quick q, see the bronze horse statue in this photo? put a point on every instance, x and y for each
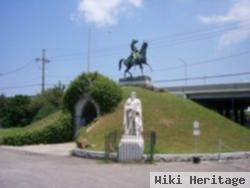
(137, 57)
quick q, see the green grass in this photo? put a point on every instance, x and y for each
(43, 123)
(172, 118)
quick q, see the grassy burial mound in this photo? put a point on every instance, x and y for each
(172, 118)
(55, 128)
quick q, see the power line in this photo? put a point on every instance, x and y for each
(202, 31)
(60, 76)
(204, 77)
(16, 70)
(188, 65)
(155, 45)
(19, 87)
(173, 42)
(168, 40)
(156, 81)
(186, 37)
(198, 63)
(28, 86)
(185, 69)
(205, 61)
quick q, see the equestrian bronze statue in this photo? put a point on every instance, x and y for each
(137, 57)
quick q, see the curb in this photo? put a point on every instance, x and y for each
(202, 156)
(90, 154)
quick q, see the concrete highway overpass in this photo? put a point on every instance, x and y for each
(230, 100)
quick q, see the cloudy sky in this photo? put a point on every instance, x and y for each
(187, 38)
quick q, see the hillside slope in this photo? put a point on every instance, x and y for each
(172, 118)
(55, 128)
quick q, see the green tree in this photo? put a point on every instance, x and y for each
(54, 95)
(20, 110)
(15, 112)
(3, 104)
(47, 102)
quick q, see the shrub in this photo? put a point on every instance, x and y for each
(59, 131)
(106, 93)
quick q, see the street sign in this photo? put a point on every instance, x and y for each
(196, 128)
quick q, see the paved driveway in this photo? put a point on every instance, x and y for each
(22, 169)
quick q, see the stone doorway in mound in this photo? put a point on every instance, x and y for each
(86, 110)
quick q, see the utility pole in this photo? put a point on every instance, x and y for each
(44, 61)
(89, 50)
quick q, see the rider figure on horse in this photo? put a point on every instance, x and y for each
(135, 52)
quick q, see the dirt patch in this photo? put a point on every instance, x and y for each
(166, 123)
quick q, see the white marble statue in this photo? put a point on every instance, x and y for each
(132, 119)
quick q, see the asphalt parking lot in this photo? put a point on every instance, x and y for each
(22, 169)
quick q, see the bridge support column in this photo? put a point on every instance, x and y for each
(242, 116)
(220, 111)
(227, 114)
(236, 115)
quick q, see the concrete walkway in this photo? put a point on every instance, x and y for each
(63, 149)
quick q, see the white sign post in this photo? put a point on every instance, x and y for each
(196, 128)
(196, 133)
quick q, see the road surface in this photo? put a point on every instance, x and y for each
(19, 169)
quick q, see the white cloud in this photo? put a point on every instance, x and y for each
(103, 12)
(238, 13)
(136, 3)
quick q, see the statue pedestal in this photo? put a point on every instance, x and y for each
(130, 148)
(136, 81)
